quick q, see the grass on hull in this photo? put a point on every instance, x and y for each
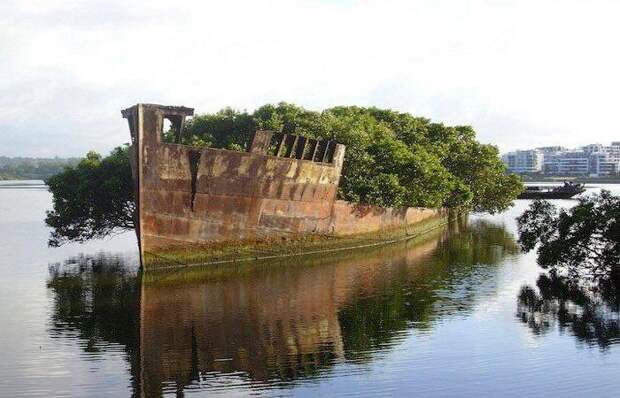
(194, 255)
(248, 269)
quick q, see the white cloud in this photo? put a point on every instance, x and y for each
(522, 73)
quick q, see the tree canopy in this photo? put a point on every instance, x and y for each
(392, 159)
(93, 199)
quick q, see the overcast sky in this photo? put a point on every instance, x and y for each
(522, 73)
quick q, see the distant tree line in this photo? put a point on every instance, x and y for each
(392, 159)
(26, 168)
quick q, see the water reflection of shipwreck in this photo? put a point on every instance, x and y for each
(283, 187)
(269, 325)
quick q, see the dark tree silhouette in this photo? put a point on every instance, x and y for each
(583, 240)
(93, 199)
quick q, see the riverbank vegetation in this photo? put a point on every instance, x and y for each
(392, 159)
(612, 179)
(580, 248)
(582, 241)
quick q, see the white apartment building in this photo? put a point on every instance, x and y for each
(604, 163)
(592, 148)
(573, 163)
(528, 161)
(592, 160)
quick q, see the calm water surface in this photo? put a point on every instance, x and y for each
(437, 317)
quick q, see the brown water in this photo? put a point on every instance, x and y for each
(434, 317)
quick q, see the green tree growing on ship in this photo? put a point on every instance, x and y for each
(393, 159)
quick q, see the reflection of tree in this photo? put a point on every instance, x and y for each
(96, 300)
(449, 283)
(590, 313)
(273, 322)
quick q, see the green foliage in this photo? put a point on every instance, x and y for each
(227, 129)
(392, 158)
(93, 199)
(582, 240)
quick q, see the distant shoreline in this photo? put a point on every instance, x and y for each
(16, 182)
(560, 179)
(28, 178)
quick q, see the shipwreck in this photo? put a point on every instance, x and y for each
(220, 203)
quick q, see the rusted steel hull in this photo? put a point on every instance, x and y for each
(281, 188)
